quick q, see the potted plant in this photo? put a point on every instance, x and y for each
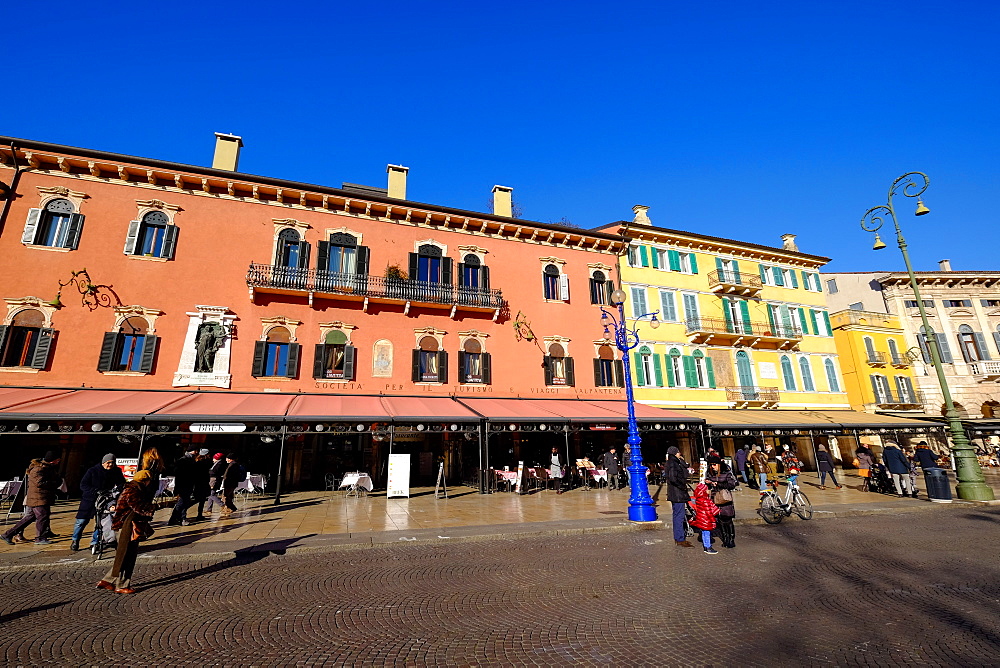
(395, 279)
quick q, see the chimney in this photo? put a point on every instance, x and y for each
(227, 151)
(397, 181)
(502, 201)
(945, 265)
(640, 215)
(788, 242)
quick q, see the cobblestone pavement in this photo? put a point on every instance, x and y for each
(906, 588)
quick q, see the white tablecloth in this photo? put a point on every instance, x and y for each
(358, 479)
(599, 474)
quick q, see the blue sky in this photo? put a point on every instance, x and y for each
(743, 120)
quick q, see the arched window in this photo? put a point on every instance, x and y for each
(473, 274)
(647, 368)
(57, 225)
(787, 374)
(131, 348)
(334, 358)
(972, 344)
(675, 369)
(289, 249)
(806, 371)
(153, 236)
(744, 372)
(473, 363)
(870, 350)
(831, 376)
(607, 370)
(26, 342)
(430, 363)
(277, 355)
(703, 369)
(558, 367)
(429, 265)
(600, 288)
(551, 279)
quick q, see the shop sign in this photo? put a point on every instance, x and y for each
(128, 466)
(603, 427)
(217, 427)
(399, 476)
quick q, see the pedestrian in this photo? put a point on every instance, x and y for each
(721, 482)
(741, 463)
(864, 459)
(908, 451)
(705, 513)
(185, 477)
(927, 458)
(202, 487)
(102, 477)
(772, 461)
(758, 460)
(215, 474)
(152, 461)
(234, 475)
(792, 465)
(824, 460)
(132, 516)
(612, 467)
(899, 467)
(43, 480)
(677, 493)
(556, 469)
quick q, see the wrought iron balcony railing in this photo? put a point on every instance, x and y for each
(734, 278)
(750, 393)
(875, 357)
(363, 285)
(739, 327)
(899, 360)
(900, 399)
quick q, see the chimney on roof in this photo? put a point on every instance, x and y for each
(503, 201)
(640, 215)
(945, 265)
(227, 151)
(788, 242)
(397, 181)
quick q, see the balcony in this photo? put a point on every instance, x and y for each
(738, 333)
(985, 370)
(876, 358)
(744, 396)
(266, 278)
(899, 361)
(905, 401)
(732, 282)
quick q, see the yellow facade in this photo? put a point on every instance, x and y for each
(878, 370)
(743, 326)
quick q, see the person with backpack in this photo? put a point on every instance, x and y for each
(705, 512)
(43, 480)
(102, 477)
(234, 475)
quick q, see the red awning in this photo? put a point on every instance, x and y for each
(513, 410)
(403, 409)
(226, 406)
(571, 410)
(15, 396)
(90, 404)
(645, 411)
(329, 407)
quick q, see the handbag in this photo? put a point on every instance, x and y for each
(721, 497)
(856, 463)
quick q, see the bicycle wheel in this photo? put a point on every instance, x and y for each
(770, 510)
(801, 506)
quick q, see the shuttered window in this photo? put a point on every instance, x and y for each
(277, 356)
(26, 342)
(58, 225)
(131, 348)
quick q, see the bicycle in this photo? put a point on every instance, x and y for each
(774, 509)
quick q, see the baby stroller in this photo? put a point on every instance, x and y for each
(104, 504)
(689, 531)
(879, 481)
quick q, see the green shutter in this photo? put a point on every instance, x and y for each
(779, 279)
(795, 279)
(763, 273)
(690, 371)
(710, 371)
(694, 263)
(640, 378)
(719, 267)
(770, 317)
(725, 312)
(812, 319)
(674, 260)
(805, 280)
(655, 257)
(805, 323)
(657, 370)
(644, 256)
(826, 319)
(745, 312)
(670, 373)
(736, 272)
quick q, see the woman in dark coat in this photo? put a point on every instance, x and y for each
(719, 478)
(825, 462)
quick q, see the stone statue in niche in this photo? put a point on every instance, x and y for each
(210, 338)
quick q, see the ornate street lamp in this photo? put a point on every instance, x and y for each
(971, 484)
(640, 508)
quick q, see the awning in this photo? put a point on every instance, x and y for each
(95, 404)
(779, 419)
(644, 411)
(319, 407)
(223, 406)
(439, 409)
(14, 396)
(567, 410)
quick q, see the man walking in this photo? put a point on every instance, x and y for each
(234, 475)
(611, 464)
(899, 467)
(741, 463)
(43, 480)
(99, 478)
(677, 493)
(185, 478)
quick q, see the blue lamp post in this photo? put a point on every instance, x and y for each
(640, 503)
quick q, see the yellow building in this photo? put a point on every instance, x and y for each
(743, 325)
(877, 368)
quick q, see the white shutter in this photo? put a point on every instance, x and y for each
(30, 225)
(564, 287)
(131, 237)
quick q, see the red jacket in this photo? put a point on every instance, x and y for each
(704, 509)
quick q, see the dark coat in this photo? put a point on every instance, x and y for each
(725, 480)
(895, 460)
(926, 457)
(216, 472)
(677, 476)
(202, 471)
(234, 475)
(43, 481)
(97, 479)
(611, 462)
(185, 475)
(825, 461)
(741, 459)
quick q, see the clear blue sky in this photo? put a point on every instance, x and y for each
(739, 119)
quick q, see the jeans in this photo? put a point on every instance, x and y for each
(678, 521)
(762, 477)
(706, 539)
(79, 527)
(822, 478)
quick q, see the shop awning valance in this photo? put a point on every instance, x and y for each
(439, 409)
(221, 406)
(766, 420)
(320, 407)
(93, 404)
(17, 396)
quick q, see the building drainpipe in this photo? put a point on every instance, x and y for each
(13, 188)
(281, 465)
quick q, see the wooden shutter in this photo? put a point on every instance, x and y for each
(4, 330)
(657, 370)
(981, 345)
(597, 372)
(654, 256)
(75, 228)
(362, 260)
(720, 268)
(484, 278)
(736, 272)
(43, 348)
(943, 349)
(443, 366)
(446, 270)
(487, 368)
(323, 256)
(770, 318)
(149, 345)
(259, 355)
(875, 389)
(745, 313)
(690, 371)
(304, 255)
(710, 370)
(462, 377)
(415, 371)
(644, 256)
(640, 372)
(547, 367)
(350, 354)
(564, 287)
(826, 321)
(812, 320)
(996, 339)
(795, 279)
(319, 360)
(170, 241)
(414, 266)
(763, 274)
(131, 237)
(779, 279)
(804, 321)
(669, 363)
(674, 260)
(30, 226)
(108, 348)
(694, 263)
(461, 274)
(292, 368)
(570, 373)
(619, 369)
(595, 295)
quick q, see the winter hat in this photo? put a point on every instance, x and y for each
(232, 455)
(217, 456)
(110, 457)
(191, 448)
(713, 459)
(203, 452)
(50, 457)
(673, 450)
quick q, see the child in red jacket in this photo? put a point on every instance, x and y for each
(705, 511)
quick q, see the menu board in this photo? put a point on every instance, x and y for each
(399, 476)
